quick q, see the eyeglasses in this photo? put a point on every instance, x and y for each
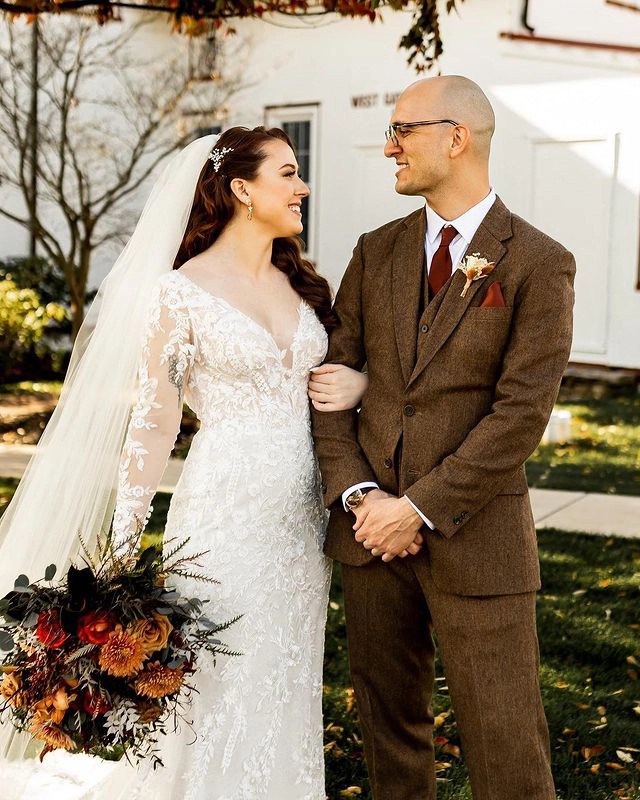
(398, 130)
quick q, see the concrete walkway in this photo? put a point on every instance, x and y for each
(604, 514)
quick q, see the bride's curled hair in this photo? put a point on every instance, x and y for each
(214, 206)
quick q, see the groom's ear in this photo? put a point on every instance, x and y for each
(460, 138)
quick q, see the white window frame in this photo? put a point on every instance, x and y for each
(305, 112)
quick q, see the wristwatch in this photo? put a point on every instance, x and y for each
(356, 499)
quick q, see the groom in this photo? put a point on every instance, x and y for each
(430, 513)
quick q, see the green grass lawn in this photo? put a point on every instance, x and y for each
(604, 452)
(588, 620)
(589, 628)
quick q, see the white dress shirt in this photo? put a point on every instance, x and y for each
(466, 224)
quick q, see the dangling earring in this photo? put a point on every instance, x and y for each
(250, 207)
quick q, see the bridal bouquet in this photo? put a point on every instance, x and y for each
(100, 662)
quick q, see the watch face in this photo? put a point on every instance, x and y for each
(355, 499)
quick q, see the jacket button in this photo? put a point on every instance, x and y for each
(388, 463)
(424, 328)
(324, 488)
(456, 520)
(409, 411)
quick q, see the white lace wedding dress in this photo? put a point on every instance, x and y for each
(249, 493)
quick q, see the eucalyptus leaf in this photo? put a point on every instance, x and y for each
(6, 641)
(23, 589)
(21, 580)
(164, 610)
(73, 723)
(31, 620)
(207, 623)
(49, 572)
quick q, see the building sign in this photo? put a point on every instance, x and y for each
(374, 100)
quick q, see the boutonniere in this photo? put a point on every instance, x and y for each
(475, 268)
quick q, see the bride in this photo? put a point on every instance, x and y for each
(214, 304)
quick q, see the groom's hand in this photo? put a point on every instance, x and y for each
(388, 526)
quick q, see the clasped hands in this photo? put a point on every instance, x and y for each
(388, 526)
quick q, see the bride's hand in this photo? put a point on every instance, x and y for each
(334, 387)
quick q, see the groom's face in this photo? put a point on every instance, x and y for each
(421, 153)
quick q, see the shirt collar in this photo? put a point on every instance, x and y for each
(466, 224)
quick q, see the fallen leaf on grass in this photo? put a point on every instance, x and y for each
(440, 719)
(451, 750)
(349, 697)
(337, 730)
(351, 791)
(561, 685)
(604, 583)
(594, 768)
(590, 752)
(614, 765)
(633, 661)
(633, 674)
(626, 757)
(440, 765)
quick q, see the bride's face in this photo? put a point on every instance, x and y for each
(278, 191)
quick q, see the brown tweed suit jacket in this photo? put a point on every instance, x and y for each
(467, 390)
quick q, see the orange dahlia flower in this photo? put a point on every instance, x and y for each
(158, 681)
(122, 655)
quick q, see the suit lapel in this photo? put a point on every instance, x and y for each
(406, 287)
(487, 242)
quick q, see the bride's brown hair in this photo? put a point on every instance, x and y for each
(214, 205)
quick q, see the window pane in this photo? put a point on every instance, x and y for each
(299, 131)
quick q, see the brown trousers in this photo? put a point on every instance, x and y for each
(489, 651)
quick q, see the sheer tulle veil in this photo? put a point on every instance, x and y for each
(70, 483)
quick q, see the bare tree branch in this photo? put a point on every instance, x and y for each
(106, 121)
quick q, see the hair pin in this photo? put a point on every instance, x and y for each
(218, 155)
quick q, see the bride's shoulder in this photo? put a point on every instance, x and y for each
(171, 283)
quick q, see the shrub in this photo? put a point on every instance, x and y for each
(24, 320)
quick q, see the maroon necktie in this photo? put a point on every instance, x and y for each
(440, 270)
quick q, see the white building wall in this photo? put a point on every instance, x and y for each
(565, 154)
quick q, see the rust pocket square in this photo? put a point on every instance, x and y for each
(494, 297)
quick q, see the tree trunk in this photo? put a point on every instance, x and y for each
(77, 317)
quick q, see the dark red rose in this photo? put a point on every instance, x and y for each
(49, 631)
(94, 627)
(94, 704)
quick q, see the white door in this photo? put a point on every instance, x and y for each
(571, 201)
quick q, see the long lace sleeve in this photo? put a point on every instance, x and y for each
(166, 358)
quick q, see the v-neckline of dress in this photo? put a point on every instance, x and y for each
(225, 302)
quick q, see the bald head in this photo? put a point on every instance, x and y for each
(460, 99)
